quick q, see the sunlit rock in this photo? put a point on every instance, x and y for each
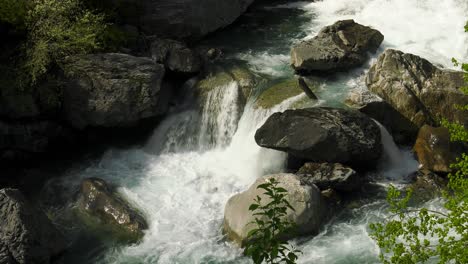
(323, 134)
(341, 46)
(309, 215)
(100, 200)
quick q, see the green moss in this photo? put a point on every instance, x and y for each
(278, 93)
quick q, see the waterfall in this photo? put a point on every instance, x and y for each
(395, 164)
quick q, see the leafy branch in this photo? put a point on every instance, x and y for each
(266, 242)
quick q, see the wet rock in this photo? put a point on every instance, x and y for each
(323, 134)
(309, 215)
(26, 234)
(427, 185)
(402, 129)
(330, 176)
(98, 199)
(434, 150)
(223, 76)
(113, 90)
(341, 46)
(419, 91)
(175, 56)
(278, 93)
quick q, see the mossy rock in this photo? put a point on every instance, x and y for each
(246, 80)
(280, 92)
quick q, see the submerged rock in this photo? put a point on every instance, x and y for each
(175, 56)
(330, 176)
(99, 199)
(309, 215)
(26, 234)
(323, 134)
(421, 92)
(434, 149)
(113, 90)
(341, 46)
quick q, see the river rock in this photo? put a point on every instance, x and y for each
(309, 215)
(341, 46)
(280, 92)
(402, 129)
(323, 134)
(175, 56)
(330, 176)
(434, 149)
(219, 76)
(113, 90)
(179, 19)
(421, 92)
(99, 199)
(26, 234)
(427, 185)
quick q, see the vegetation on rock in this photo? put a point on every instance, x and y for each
(54, 29)
(266, 241)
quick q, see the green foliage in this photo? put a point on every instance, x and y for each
(56, 29)
(417, 235)
(13, 12)
(266, 242)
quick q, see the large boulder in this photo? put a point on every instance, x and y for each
(402, 129)
(309, 215)
(434, 149)
(323, 134)
(26, 234)
(100, 200)
(330, 176)
(341, 46)
(421, 92)
(112, 90)
(179, 19)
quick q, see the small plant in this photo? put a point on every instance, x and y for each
(266, 242)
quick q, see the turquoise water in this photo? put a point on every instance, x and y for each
(182, 190)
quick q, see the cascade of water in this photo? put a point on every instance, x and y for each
(220, 116)
(396, 164)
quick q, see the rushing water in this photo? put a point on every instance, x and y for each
(198, 158)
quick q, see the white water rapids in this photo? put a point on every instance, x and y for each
(196, 160)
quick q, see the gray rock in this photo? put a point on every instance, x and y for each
(175, 56)
(179, 19)
(341, 46)
(26, 233)
(113, 90)
(323, 135)
(98, 199)
(402, 129)
(309, 215)
(418, 90)
(330, 176)
(182, 19)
